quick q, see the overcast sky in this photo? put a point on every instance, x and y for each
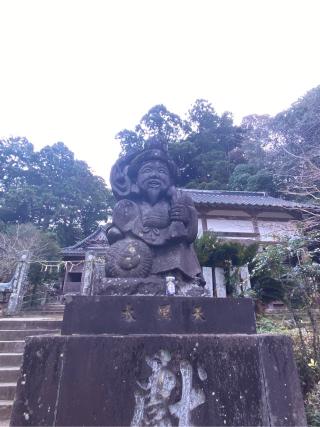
(79, 71)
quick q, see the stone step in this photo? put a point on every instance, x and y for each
(9, 374)
(32, 323)
(11, 359)
(54, 306)
(53, 313)
(288, 314)
(278, 318)
(57, 315)
(20, 334)
(7, 390)
(16, 346)
(5, 412)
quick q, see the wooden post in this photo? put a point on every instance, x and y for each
(19, 285)
(87, 273)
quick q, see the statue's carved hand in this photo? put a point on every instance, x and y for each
(180, 212)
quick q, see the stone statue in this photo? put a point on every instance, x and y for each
(154, 224)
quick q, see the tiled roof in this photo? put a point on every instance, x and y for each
(90, 242)
(239, 198)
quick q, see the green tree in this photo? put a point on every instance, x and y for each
(257, 137)
(210, 145)
(285, 147)
(296, 152)
(130, 141)
(279, 155)
(157, 124)
(204, 146)
(160, 123)
(51, 189)
(246, 177)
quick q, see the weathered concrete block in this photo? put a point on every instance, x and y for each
(158, 315)
(207, 380)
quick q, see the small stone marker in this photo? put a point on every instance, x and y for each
(19, 284)
(88, 273)
(220, 282)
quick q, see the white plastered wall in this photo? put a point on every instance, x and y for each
(273, 231)
(230, 225)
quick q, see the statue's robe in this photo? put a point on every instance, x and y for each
(170, 241)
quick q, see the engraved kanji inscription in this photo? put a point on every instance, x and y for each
(164, 311)
(128, 313)
(197, 313)
(152, 407)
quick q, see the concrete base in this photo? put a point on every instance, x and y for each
(158, 380)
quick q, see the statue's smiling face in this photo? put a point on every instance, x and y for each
(153, 175)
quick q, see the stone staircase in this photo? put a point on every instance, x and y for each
(13, 332)
(53, 308)
(46, 310)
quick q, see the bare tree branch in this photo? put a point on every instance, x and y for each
(18, 238)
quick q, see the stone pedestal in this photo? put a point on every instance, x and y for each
(156, 375)
(158, 315)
